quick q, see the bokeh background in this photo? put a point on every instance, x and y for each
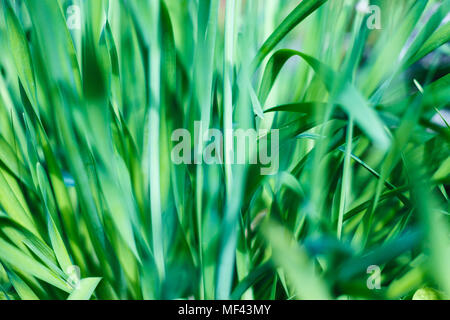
(92, 207)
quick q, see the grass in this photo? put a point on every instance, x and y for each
(92, 207)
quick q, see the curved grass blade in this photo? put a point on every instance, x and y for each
(437, 39)
(342, 91)
(300, 13)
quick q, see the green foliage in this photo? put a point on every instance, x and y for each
(86, 177)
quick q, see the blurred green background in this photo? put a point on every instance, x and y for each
(92, 207)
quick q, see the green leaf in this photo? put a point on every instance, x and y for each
(25, 263)
(19, 45)
(297, 265)
(437, 39)
(300, 13)
(343, 93)
(55, 237)
(85, 290)
(22, 289)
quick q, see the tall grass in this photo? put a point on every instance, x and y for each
(93, 207)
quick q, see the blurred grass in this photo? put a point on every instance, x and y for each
(86, 177)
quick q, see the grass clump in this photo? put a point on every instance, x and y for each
(92, 205)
